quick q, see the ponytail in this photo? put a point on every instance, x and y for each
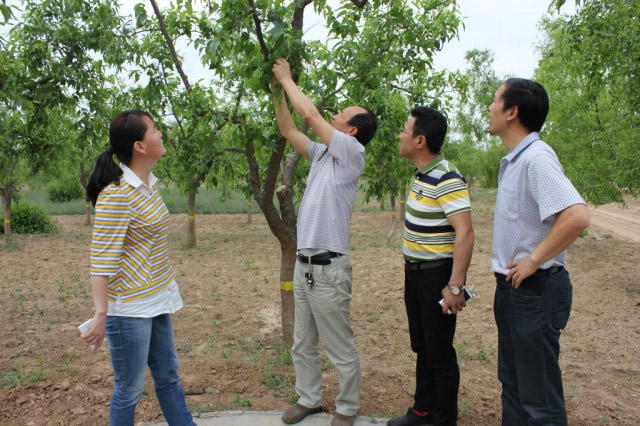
(126, 128)
(105, 172)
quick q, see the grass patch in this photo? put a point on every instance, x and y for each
(634, 289)
(281, 385)
(252, 347)
(282, 354)
(198, 408)
(15, 378)
(464, 408)
(9, 244)
(242, 401)
(373, 318)
(208, 201)
(461, 351)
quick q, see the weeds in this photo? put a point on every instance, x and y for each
(281, 385)
(252, 347)
(461, 351)
(282, 355)
(197, 408)
(326, 363)
(62, 293)
(482, 355)
(66, 365)
(14, 378)
(10, 244)
(242, 401)
(215, 295)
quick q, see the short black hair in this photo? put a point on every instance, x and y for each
(431, 124)
(530, 98)
(366, 123)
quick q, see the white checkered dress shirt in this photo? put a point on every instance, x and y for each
(532, 190)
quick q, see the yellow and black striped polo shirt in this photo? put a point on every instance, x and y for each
(438, 192)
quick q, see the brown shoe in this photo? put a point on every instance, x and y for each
(342, 420)
(296, 413)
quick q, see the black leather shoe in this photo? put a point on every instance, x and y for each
(296, 413)
(411, 419)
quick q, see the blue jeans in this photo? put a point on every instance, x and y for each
(530, 320)
(135, 343)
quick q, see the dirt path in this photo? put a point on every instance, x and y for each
(622, 222)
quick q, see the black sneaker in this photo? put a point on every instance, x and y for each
(411, 419)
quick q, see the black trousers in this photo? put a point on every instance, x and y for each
(431, 333)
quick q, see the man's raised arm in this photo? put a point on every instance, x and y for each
(288, 128)
(302, 104)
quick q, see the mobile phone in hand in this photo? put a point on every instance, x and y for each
(467, 296)
(84, 329)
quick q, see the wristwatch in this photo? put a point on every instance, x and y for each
(454, 289)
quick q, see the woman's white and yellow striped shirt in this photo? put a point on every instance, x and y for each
(130, 246)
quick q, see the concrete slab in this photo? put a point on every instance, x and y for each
(266, 418)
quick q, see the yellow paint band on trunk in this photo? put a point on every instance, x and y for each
(191, 218)
(7, 221)
(286, 285)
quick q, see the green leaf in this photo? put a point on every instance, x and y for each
(276, 32)
(6, 12)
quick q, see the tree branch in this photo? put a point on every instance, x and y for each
(256, 20)
(68, 59)
(298, 13)
(236, 150)
(359, 3)
(362, 71)
(173, 110)
(172, 49)
(254, 172)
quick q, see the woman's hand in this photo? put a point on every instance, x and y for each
(97, 332)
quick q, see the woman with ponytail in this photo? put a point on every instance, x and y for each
(132, 279)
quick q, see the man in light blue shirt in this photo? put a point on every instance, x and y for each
(538, 215)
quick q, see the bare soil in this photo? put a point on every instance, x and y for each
(228, 337)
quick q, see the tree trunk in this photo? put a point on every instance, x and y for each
(287, 264)
(87, 209)
(191, 220)
(393, 208)
(403, 200)
(6, 201)
(84, 180)
(249, 209)
(382, 204)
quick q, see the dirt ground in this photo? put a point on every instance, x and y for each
(231, 355)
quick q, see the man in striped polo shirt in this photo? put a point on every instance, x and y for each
(437, 247)
(322, 276)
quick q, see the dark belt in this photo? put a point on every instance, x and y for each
(428, 264)
(320, 258)
(538, 273)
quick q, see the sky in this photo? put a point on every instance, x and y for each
(509, 28)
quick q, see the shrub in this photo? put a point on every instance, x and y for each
(63, 190)
(28, 219)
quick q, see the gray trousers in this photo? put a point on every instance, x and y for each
(322, 312)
